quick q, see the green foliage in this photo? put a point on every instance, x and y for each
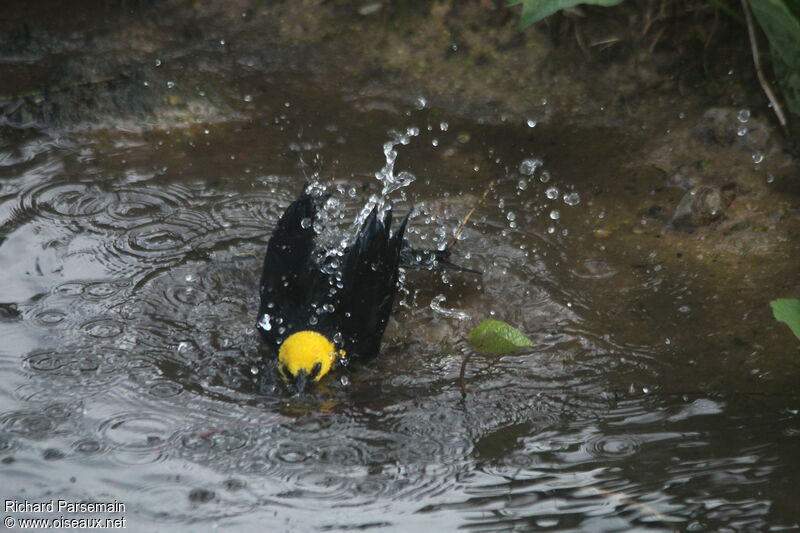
(780, 20)
(787, 310)
(536, 10)
(494, 336)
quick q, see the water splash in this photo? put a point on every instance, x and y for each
(391, 182)
(436, 305)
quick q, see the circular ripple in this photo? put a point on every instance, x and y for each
(73, 362)
(49, 317)
(136, 431)
(183, 295)
(186, 501)
(210, 444)
(70, 288)
(166, 240)
(612, 446)
(103, 289)
(68, 200)
(164, 388)
(594, 269)
(255, 210)
(32, 425)
(159, 237)
(103, 328)
(87, 447)
(133, 206)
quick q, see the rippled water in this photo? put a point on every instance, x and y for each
(657, 395)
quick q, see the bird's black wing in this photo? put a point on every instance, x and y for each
(290, 272)
(369, 275)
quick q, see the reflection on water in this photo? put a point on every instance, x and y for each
(132, 369)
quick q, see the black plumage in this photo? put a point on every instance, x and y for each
(349, 305)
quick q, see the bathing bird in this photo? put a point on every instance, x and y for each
(314, 315)
(319, 309)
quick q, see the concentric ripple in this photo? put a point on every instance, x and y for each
(254, 211)
(75, 362)
(68, 200)
(613, 446)
(32, 425)
(131, 207)
(137, 438)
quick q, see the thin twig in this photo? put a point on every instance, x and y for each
(462, 374)
(460, 228)
(776, 107)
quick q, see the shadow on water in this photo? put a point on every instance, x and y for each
(132, 369)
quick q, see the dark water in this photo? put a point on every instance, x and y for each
(660, 393)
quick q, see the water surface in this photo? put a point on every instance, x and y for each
(659, 394)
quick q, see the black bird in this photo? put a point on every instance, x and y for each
(313, 316)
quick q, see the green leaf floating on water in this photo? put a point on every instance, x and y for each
(494, 336)
(536, 10)
(787, 310)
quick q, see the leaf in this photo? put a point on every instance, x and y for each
(494, 336)
(536, 10)
(781, 24)
(787, 310)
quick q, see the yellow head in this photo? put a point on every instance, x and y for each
(304, 356)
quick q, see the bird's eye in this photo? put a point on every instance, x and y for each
(315, 371)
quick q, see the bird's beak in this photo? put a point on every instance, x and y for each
(299, 383)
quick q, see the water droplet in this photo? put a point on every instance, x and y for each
(758, 157)
(329, 308)
(667, 341)
(264, 322)
(529, 166)
(742, 131)
(572, 198)
(170, 85)
(531, 123)
(551, 193)
(337, 338)
(554, 214)
(157, 62)
(420, 102)
(313, 320)
(743, 115)
(248, 98)
(522, 184)
(344, 380)
(305, 223)
(510, 216)
(444, 126)
(544, 177)
(684, 309)
(254, 370)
